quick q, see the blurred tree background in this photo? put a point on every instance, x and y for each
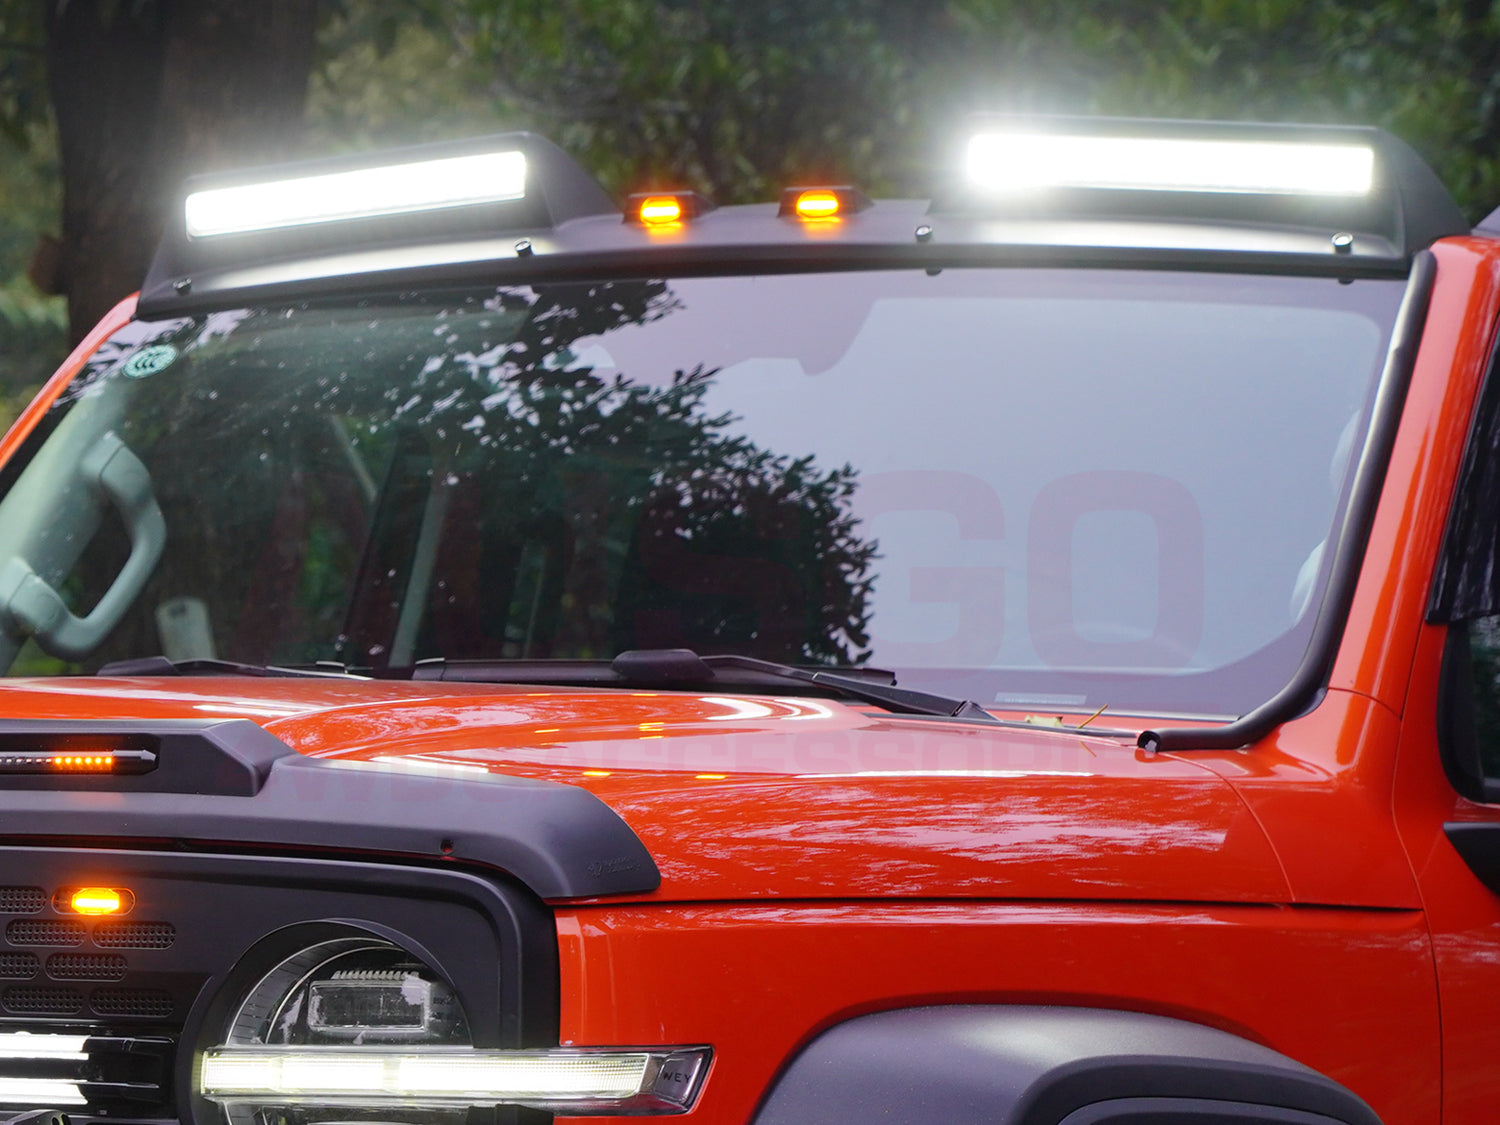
(105, 104)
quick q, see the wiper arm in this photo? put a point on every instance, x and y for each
(161, 666)
(669, 664)
(684, 668)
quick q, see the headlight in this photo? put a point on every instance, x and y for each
(350, 990)
(359, 1029)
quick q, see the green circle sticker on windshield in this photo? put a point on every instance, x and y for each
(148, 361)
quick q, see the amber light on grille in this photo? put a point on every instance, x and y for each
(77, 761)
(93, 900)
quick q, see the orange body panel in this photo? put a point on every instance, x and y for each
(1381, 634)
(757, 981)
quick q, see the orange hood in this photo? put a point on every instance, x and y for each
(754, 796)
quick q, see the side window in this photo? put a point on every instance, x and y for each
(1465, 597)
(1469, 707)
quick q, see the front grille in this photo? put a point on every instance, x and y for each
(38, 932)
(86, 966)
(18, 966)
(144, 1002)
(22, 900)
(133, 935)
(41, 1001)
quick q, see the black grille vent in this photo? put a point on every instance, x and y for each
(22, 900)
(42, 1001)
(85, 966)
(131, 1002)
(132, 935)
(18, 966)
(45, 933)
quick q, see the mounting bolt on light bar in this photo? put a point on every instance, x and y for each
(1016, 161)
(365, 193)
(77, 761)
(649, 1081)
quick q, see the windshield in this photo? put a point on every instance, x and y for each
(1059, 489)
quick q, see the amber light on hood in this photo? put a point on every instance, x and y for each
(77, 761)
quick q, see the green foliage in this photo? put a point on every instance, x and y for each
(390, 73)
(733, 99)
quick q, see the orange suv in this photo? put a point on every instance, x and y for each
(476, 653)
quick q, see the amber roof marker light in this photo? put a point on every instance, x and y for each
(660, 209)
(815, 204)
(665, 209)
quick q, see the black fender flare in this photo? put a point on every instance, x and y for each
(976, 1064)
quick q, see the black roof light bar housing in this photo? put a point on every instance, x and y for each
(564, 227)
(556, 190)
(1404, 210)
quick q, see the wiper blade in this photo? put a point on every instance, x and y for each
(161, 666)
(684, 668)
(902, 700)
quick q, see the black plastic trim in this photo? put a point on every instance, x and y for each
(1458, 743)
(559, 840)
(234, 917)
(229, 758)
(1001, 1065)
(1311, 678)
(1478, 845)
(484, 263)
(1189, 1111)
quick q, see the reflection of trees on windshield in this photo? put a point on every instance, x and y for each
(467, 456)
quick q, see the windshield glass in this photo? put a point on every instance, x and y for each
(1058, 489)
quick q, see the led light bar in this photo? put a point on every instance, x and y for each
(580, 1081)
(1028, 161)
(77, 761)
(365, 193)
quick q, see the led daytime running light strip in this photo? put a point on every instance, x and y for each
(32, 1092)
(24, 1045)
(451, 1076)
(367, 193)
(40, 1091)
(1022, 161)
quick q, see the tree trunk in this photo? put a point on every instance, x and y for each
(146, 93)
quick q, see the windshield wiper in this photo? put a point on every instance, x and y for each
(161, 666)
(684, 668)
